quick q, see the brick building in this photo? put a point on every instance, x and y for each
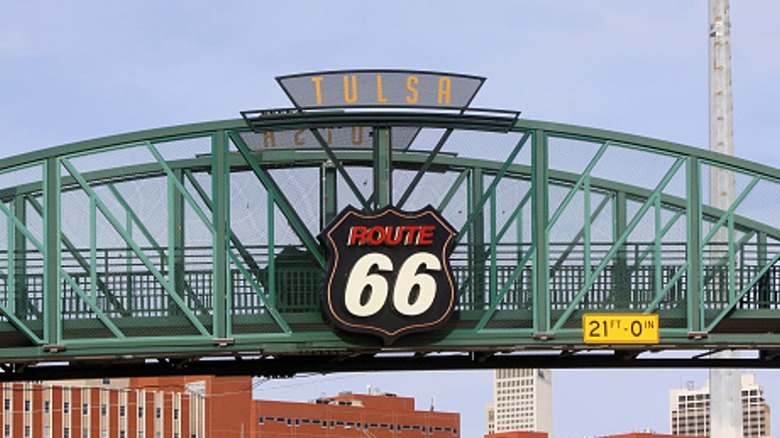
(528, 434)
(199, 407)
(354, 415)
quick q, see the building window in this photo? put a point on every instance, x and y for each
(176, 414)
(122, 410)
(140, 411)
(66, 407)
(7, 430)
(158, 413)
(27, 431)
(85, 409)
(66, 432)
(27, 406)
(7, 404)
(103, 410)
(46, 404)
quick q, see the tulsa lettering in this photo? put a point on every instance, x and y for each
(409, 95)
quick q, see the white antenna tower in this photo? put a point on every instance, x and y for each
(725, 384)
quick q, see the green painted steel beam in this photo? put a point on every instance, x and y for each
(328, 194)
(51, 252)
(499, 315)
(540, 232)
(293, 158)
(383, 168)
(220, 217)
(323, 119)
(694, 278)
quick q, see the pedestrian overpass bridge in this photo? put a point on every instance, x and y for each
(195, 249)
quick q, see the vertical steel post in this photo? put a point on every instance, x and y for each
(52, 327)
(328, 193)
(383, 168)
(220, 183)
(693, 247)
(620, 287)
(131, 300)
(476, 245)
(586, 214)
(493, 285)
(271, 218)
(176, 240)
(762, 257)
(93, 245)
(540, 213)
(18, 298)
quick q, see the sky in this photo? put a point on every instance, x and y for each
(83, 69)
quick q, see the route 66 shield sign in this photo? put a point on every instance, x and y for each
(388, 272)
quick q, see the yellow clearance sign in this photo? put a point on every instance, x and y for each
(612, 328)
(381, 87)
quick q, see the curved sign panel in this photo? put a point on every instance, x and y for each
(389, 272)
(381, 87)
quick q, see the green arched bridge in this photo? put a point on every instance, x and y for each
(195, 248)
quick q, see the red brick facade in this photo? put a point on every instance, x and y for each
(353, 415)
(199, 407)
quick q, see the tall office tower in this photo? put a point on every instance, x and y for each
(689, 410)
(522, 400)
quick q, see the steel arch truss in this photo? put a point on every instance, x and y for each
(197, 241)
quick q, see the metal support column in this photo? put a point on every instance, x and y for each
(19, 301)
(328, 194)
(221, 195)
(383, 168)
(693, 250)
(540, 213)
(476, 244)
(621, 292)
(176, 240)
(51, 275)
(762, 257)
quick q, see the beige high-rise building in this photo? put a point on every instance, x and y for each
(689, 410)
(522, 401)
